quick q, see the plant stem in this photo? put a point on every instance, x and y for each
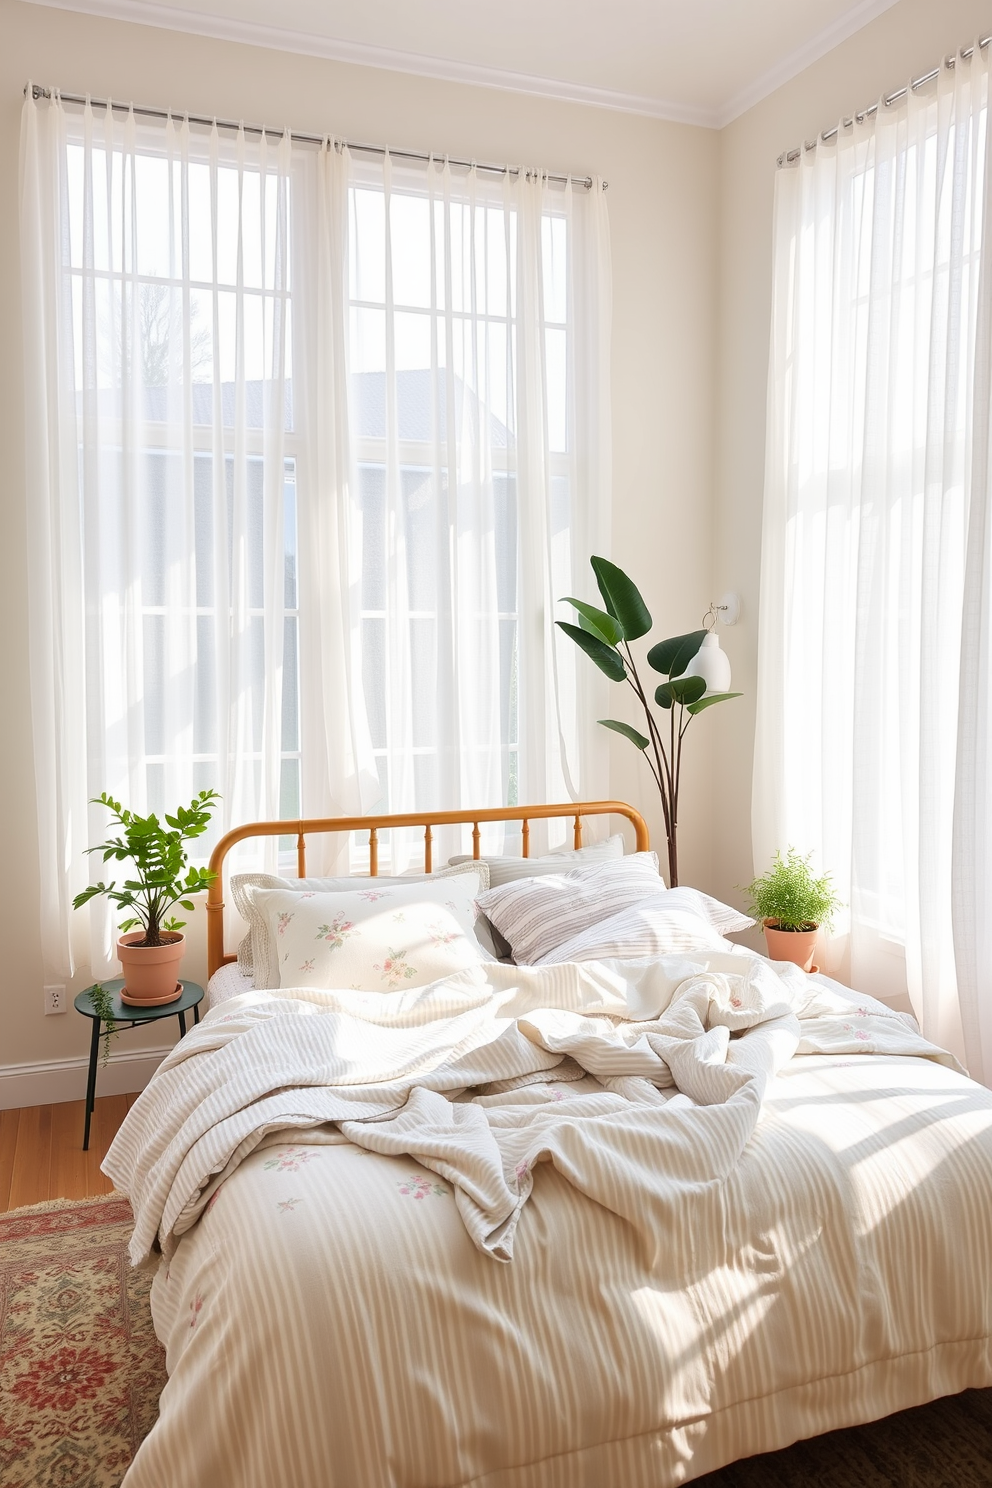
(661, 774)
(667, 785)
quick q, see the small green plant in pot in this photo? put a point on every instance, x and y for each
(792, 904)
(163, 879)
(104, 1005)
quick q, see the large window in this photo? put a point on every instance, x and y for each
(331, 444)
(434, 356)
(180, 276)
(873, 727)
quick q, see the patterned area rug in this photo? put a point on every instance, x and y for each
(80, 1367)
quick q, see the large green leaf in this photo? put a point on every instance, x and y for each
(687, 690)
(627, 731)
(673, 656)
(606, 658)
(622, 598)
(714, 697)
(663, 695)
(597, 622)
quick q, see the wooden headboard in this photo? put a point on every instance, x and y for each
(216, 955)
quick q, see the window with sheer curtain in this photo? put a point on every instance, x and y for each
(874, 660)
(314, 443)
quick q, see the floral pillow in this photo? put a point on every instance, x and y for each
(377, 939)
(253, 952)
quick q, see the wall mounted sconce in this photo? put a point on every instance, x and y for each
(710, 661)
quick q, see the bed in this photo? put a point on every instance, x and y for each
(604, 1218)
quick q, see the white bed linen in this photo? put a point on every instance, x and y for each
(227, 981)
(332, 1308)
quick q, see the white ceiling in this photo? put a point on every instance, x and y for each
(695, 61)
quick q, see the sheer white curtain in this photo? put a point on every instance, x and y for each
(159, 483)
(870, 693)
(314, 443)
(475, 337)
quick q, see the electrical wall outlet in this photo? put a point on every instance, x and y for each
(55, 999)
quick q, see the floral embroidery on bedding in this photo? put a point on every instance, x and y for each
(282, 921)
(859, 1033)
(417, 1187)
(337, 932)
(395, 969)
(522, 1169)
(291, 1160)
(373, 894)
(307, 965)
(441, 936)
(286, 1206)
(195, 1307)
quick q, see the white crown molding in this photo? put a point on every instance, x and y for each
(53, 1081)
(804, 56)
(361, 54)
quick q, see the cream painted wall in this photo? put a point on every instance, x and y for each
(903, 43)
(663, 210)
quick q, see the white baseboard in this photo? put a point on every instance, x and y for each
(55, 1080)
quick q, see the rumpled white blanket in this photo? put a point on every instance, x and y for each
(664, 1064)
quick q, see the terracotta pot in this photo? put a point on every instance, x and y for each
(151, 973)
(797, 946)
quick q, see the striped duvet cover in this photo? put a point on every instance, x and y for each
(672, 1215)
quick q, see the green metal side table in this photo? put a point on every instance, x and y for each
(127, 1015)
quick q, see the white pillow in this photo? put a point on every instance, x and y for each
(538, 914)
(507, 870)
(652, 928)
(378, 939)
(254, 948)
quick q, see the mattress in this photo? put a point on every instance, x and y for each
(331, 1303)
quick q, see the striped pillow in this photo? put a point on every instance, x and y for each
(640, 933)
(538, 914)
(613, 910)
(721, 916)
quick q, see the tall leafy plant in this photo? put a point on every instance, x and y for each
(605, 636)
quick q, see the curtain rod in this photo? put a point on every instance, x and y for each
(788, 156)
(308, 139)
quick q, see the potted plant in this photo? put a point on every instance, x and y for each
(605, 636)
(150, 955)
(792, 904)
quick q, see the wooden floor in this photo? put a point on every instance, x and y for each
(41, 1151)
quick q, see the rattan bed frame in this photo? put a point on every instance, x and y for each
(216, 955)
